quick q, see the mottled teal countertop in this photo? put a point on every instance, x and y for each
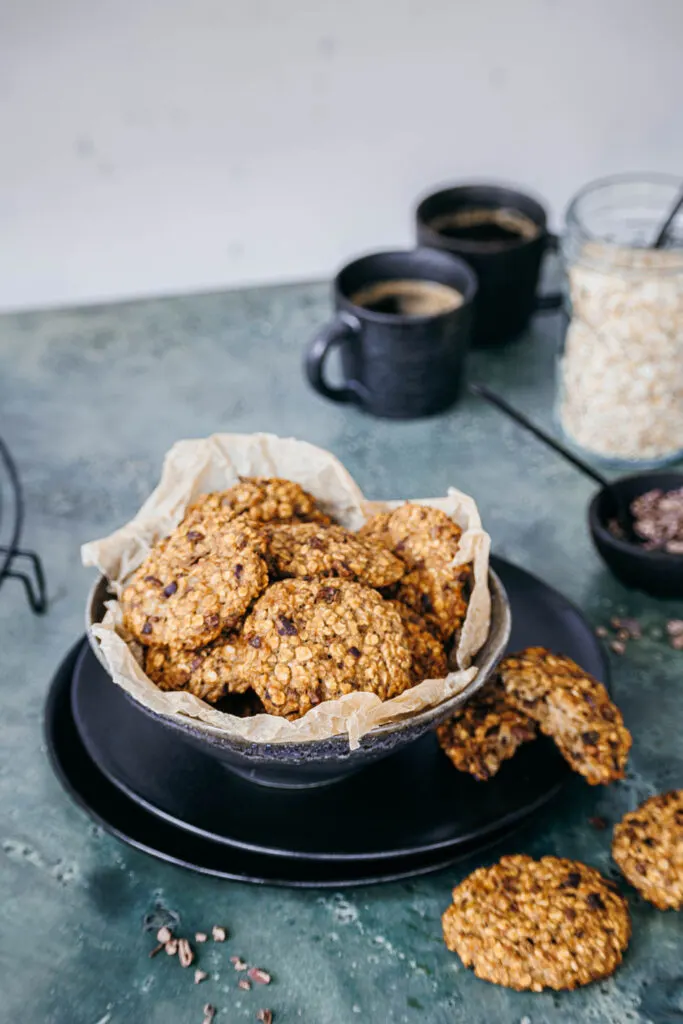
(89, 402)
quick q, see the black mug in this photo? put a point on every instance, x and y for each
(403, 327)
(503, 235)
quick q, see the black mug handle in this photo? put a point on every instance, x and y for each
(552, 300)
(339, 331)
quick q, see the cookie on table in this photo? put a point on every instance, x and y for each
(648, 847)
(428, 655)
(262, 499)
(485, 732)
(428, 541)
(572, 707)
(536, 924)
(208, 673)
(195, 584)
(310, 551)
(309, 641)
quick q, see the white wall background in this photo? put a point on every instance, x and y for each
(152, 146)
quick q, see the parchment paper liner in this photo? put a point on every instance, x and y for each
(193, 467)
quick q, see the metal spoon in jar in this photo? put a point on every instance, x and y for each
(624, 517)
(664, 230)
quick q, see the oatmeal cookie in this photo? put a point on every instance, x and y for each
(309, 641)
(310, 551)
(485, 732)
(572, 707)
(428, 655)
(535, 924)
(208, 673)
(428, 541)
(263, 499)
(648, 847)
(195, 584)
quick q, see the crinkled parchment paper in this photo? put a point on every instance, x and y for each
(194, 467)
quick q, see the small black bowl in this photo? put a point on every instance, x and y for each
(655, 572)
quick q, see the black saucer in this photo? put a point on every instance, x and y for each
(128, 821)
(411, 805)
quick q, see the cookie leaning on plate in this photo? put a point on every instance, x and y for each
(648, 847)
(535, 924)
(572, 707)
(485, 732)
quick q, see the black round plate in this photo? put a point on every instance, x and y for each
(411, 803)
(128, 821)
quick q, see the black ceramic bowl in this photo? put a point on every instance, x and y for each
(316, 762)
(656, 572)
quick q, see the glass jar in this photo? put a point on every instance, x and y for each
(620, 394)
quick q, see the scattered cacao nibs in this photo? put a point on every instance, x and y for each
(211, 621)
(570, 914)
(200, 936)
(172, 947)
(618, 646)
(194, 535)
(597, 822)
(154, 580)
(157, 949)
(601, 631)
(286, 627)
(590, 738)
(265, 1016)
(209, 1013)
(170, 590)
(164, 935)
(641, 868)
(594, 901)
(571, 881)
(329, 594)
(243, 983)
(218, 933)
(259, 976)
(633, 627)
(200, 976)
(354, 652)
(238, 963)
(147, 628)
(185, 953)
(195, 663)
(239, 569)
(254, 641)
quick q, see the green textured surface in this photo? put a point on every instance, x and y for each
(89, 402)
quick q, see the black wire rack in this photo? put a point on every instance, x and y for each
(15, 562)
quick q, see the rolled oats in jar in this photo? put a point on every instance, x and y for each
(621, 372)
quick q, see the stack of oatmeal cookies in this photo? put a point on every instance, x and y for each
(257, 591)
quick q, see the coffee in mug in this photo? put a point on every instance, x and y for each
(408, 298)
(489, 226)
